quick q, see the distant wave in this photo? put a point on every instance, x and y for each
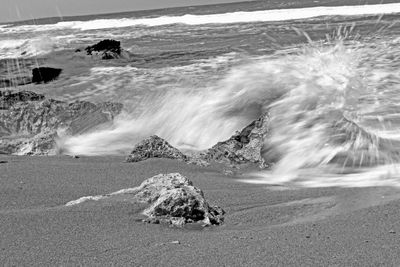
(224, 18)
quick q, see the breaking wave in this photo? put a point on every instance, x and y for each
(233, 17)
(317, 99)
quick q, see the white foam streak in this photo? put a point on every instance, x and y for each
(383, 175)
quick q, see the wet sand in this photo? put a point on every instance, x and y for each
(264, 225)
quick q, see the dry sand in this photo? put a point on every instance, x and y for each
(264, 225)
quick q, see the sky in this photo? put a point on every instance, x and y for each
(13, 10)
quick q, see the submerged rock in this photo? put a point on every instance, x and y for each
(154, 147)
(29, 122)
(243, 147)
(45, 74)
(172, 199)
(106, 49)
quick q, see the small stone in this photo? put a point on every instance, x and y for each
(308, 236)
(3, 161)
(228, 172)
(392, 231)
(175, 242)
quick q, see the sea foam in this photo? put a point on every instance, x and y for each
(223, 18)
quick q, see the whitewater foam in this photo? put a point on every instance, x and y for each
(314, 101)
(23, 48)
(224, 18)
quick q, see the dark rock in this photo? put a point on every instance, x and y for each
(29, 125)
(106, 49)
(243, 147)
(45, 74)
(3, 161)
(172, 199)
(17, 71)
(154, 147)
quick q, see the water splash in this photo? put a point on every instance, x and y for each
(318, 99)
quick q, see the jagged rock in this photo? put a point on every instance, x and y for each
(154, 147)
(9, 98)
(30, 126)
(40, 144)
(45, 74)
(244, 146)
(172, 199)
(106, 49)
(175, 199)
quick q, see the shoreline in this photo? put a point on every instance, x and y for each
(263, 224)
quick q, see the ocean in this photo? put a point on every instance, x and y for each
(328, 73)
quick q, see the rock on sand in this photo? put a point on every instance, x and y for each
(172, 199)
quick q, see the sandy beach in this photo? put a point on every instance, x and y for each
(264, 225)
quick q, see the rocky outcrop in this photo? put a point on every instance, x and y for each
(9, 98)
(243, 147)
(154, 147)
(45, 74)
(29, 123)
(171, 199)
(106, 49)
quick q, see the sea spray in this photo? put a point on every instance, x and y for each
(314, 98)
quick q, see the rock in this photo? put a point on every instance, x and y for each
(105, 49)
(243, 147)
(172, 199)
(40, 144)
(29, 124)
(45, 74)
(17, 71)
(3, 161)
(9, 98)
(154, 147)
